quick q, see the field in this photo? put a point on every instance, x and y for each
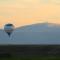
(33, 58)
(29, 52)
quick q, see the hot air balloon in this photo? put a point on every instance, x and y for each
(9, 29)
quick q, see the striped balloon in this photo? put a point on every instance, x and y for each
(9, 28)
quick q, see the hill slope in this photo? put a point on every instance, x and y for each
(44, 33)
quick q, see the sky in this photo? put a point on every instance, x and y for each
(26, 12)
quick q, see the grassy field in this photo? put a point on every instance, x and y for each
(33, 58)
(30, 52)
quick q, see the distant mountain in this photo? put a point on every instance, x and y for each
(3, 37)
(41, 33)
(40, 27)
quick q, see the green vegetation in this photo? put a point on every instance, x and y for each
(31, 52)
(33, 58)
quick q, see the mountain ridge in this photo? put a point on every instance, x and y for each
(54, 24)
(39, 26)
(33, 34)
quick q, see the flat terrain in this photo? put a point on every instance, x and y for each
(33, 58)
(29, 52)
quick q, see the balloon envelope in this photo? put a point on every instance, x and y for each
(9, 28)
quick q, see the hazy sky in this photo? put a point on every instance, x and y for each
(24, 12)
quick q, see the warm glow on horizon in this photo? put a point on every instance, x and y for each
(26, 12)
